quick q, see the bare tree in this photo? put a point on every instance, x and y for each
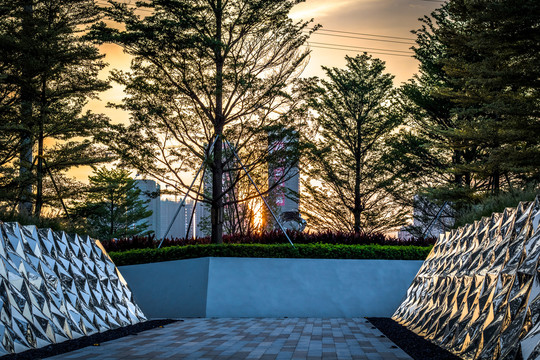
(202, 72)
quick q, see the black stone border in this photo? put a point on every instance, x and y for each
(416, 346)
(92, 340)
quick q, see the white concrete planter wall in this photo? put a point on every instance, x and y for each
(256, 287)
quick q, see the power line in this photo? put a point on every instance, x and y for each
(364, 38)
(365, 34)
(360, 48)
(336, 48)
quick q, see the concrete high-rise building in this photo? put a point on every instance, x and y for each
(168, 209)
(429, 219)
(163, 211)
(284, 176)
(150, 192)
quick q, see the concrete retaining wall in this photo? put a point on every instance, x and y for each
(256, 287)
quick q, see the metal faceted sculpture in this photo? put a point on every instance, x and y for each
(55, 287)
(478, 292)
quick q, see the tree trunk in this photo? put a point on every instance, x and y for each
(26, 160)
(458, 176)
(40, 172)
(216, 211)
(40, 169)
(112, 217)
(496, 181)
(357, 211)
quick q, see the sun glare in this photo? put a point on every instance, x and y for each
(257, 208)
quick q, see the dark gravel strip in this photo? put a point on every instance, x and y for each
(92, 340)
(416, 346)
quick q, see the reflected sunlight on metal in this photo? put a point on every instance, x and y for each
(55, 287)
(478, 292)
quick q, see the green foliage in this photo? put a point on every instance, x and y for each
(114, 207)
(48, 72)
(473, 108)
(495, 203)
(311, 251)
(55, 223)
(493, 64)
(349, 188)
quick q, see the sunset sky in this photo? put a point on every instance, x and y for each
(360, 25)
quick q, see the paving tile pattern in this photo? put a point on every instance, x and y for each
(280, 339)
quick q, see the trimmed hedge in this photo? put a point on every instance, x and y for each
(309, 251)
(268, 237)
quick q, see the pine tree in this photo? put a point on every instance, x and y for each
(114, 206)
(424, 155)
(493, 65)
(473, 107)
(49, 71)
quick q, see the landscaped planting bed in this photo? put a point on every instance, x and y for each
(306, 251)
(269, 237)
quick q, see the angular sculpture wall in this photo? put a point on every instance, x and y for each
(55, 287)
(478, 292)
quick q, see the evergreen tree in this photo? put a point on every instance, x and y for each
(114, 206)
(204, 70)
(348, 186)
(493, 63)
(49, 70)
(473, 107)
(425, 158)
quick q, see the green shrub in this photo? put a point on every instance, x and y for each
(308, 251)
(493, 204)
(54, 223)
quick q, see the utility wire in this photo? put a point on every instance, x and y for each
(323, 31)
(364, 38)
(336, 48)
(365, 34)
(360, 48)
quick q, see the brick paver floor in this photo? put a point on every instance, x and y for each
(284, 338)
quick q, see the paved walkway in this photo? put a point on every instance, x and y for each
(289, 338)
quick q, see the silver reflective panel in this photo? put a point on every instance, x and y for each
(55, 287)
(478, 292)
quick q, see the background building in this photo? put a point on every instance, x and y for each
(163, 211)
(150, 192)
(429, 220)
(284, 176)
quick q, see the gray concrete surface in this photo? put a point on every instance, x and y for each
(237, 339)
(169, 289)
(255, 287)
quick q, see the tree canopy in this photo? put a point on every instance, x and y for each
(202, 72)
(348, 187)
(473, 107)
(49, 71)
(114, 206)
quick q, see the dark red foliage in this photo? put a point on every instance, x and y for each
(270, 237)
